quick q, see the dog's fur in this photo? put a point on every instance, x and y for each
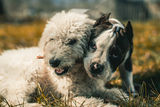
(110, 46)
(65, 38)
(17, 69)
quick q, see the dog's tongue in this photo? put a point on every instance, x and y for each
(59, 71)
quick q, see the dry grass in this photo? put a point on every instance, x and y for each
(146, 57)
(20, 35)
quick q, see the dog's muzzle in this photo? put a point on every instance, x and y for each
(61, 71)
(96, 68)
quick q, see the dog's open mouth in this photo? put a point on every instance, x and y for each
(61, 71)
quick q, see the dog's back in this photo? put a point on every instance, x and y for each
(17, 68)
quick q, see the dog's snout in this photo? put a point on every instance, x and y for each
(96, 68)
(54, 62)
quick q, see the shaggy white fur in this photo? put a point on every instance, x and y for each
(17, 69)
(21, 71)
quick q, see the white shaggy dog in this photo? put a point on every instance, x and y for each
(63, 46)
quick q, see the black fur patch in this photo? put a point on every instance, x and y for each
(128, 63)
(101, 25)
(119, 49)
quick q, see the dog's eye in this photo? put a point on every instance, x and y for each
(114, 53)
(93, 46)
(71, 42)
(51, 39)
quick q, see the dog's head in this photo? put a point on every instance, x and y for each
(64, 41)
(108, 48)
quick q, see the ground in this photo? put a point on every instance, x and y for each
(146, 56)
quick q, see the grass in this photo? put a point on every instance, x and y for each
(20, 35)
(146, 57)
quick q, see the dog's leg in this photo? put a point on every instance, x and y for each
(126, 74)
(89, 102)
(16, 93)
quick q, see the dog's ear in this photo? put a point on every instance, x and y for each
(109, 15)
(102, 20)
(129, 31)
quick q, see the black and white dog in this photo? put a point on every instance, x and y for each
(110, 47)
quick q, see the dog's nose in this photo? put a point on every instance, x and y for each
(54, 63)
(96, 68)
